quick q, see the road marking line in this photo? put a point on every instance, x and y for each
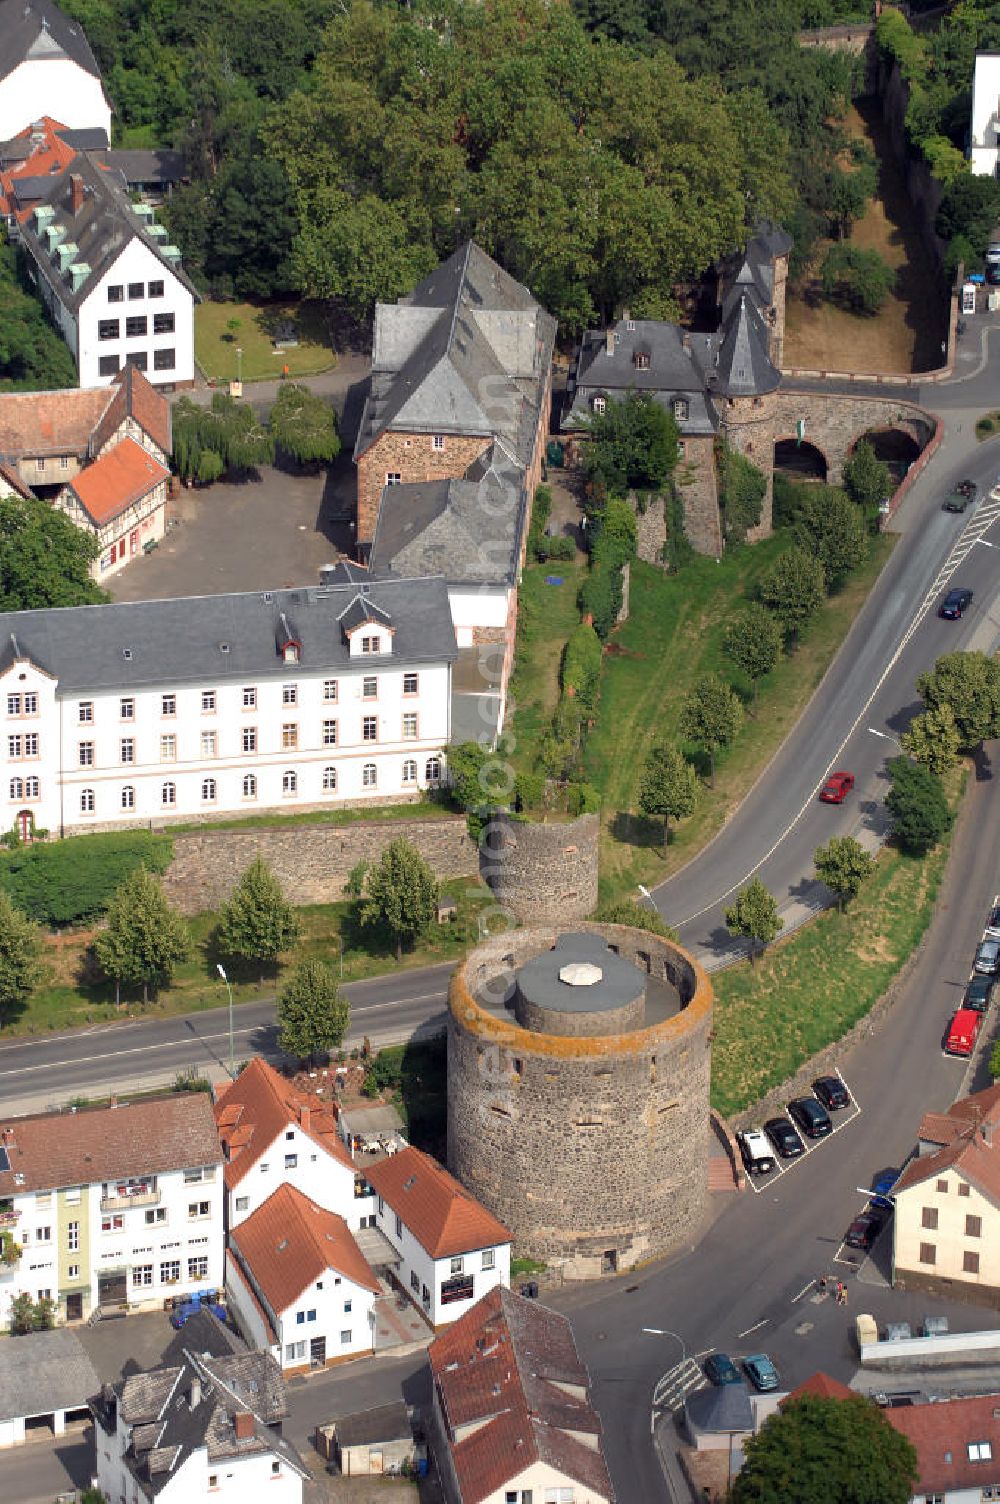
(804, 1291)
(755, 1328)
(951, 564)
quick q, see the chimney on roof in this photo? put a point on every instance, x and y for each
(243, 1425)
(609, 340)
(75, 193)
(304, 1115)
(986, 1129)
(194, 1394)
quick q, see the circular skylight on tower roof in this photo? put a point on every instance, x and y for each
(580, 974)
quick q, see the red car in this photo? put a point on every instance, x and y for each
(836, 788)
(963, 1031)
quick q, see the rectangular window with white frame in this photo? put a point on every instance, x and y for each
(330, 690)
(410, 726)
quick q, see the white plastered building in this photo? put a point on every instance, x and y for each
(984, 134)
(47, 68)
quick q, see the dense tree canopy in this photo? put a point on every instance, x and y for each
(44, 558)
(32, 355)
(827, 1451)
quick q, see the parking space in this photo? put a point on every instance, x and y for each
(841, 1119)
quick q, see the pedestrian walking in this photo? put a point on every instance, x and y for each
(843, 1295)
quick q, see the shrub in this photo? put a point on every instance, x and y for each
(678, 549)
(582, 799)
(581, 666)
(541, 508)
(67, 881)
(601, 597)
(529, 791)
(559, 547)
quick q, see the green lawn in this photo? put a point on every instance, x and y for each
(547, 615)
(215, 347)
(674, 634)
(422, 809)
(809, 991)
(68, 998)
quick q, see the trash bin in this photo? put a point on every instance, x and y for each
(555, 454)
(530, 1289)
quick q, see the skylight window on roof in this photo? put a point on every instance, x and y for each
(4, 1160)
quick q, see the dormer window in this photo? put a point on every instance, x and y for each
(290, 652)
(681, 408)
(371, 644)
(640, 360)
(599, 404)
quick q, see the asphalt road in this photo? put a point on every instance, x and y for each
(41, 1072)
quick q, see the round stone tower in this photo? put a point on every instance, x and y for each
(578, 1092)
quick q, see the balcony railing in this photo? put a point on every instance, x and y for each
(118, 1203)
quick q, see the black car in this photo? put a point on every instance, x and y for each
(978, 994)
(954, 604)
(784, 1138)
(832, 1092)
(811, 1116)
(864, 1230)
(963, 495)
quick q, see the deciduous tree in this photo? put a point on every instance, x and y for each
(401, 893)
(832, 529)
(816, 1450)
(312, 1015)
(969, 684)
(793, 588)
(753, 642)
(144, 939)
(711, 715)
(632, 445)
(258, 922)
(742, 488)
(843, 864)
(916, 802)
(755, 916)
(934, 739)
(44, 558)
(867, 479)
(304, 426)
(859, 278)
(668, 787)
(20, 952)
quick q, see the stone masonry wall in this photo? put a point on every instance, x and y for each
(651, 529)
(748, 426)
(583, 1147)
(542, 872)
(583, 1024)
(697, 486)
(312, 862)
(413, 456)
(835, 422)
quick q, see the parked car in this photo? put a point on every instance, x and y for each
(832, 1092)
(955, 603)
(720, 1369)
(864, 1230)
(756, 1152)
(837, 787)
(784, 1138)
(988, 958)
(960, 497)
(992, 930)
(978, 994)
(963, 1031)
(762, 1372)
(881, 1188)
(811, 1116)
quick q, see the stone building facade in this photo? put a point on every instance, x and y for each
(587, 1138)
(542, 871)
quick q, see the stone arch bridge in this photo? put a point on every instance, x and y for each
(834, 420)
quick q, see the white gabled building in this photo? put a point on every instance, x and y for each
(451, 1250)
(109, 277)
(298, 1285)
(204, 1425)
(155, 711)
(47, 68)
(984, 133)
(274, 1135)
(117, 1207)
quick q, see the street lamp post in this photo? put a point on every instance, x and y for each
(239, 366)
(886, 737)
(232, 1055)
(644, 891)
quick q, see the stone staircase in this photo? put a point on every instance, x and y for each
(720, 1174)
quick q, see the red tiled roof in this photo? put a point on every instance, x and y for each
(135, 397)
(968, 1112)
(51, 423)
(49, 157)
(969, 1133)
(942, 1434)
(121, 477)
(509, 1367)
(108, 1143)
(442, 1215)
(822, 1385)
(252, 1110)
(289, 1243)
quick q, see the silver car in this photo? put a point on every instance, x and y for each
(988, 958)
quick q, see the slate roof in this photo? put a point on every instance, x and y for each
(744, 368)
(720, 1407)
(942, 1434)
(171, 1418)
(467, 352)
(44, 1371)
(35, 29)
(117, 480)
(181, 641)
(54, 1149)
(469, 530)
(101, 229)
(442, 1215)
(509, 1370)
(290, 1242)
(676, 369)
(159, 167)
(260, 1104)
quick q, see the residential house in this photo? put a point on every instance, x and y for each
(47, 67)
(957, 1442)
(116, 1207)
(946, 1226)
(716, 386)
(108, 275)
(451, 1250)
(203, 1425)
(298, 1285)
(274, 1135)
(99, 454)
(47, 146)
(117, 715)
(512, 1421)
(984, 129)
(463, 362)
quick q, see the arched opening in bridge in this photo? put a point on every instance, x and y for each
(897, 448)
(799, 461)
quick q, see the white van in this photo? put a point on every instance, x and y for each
(758, 1155)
